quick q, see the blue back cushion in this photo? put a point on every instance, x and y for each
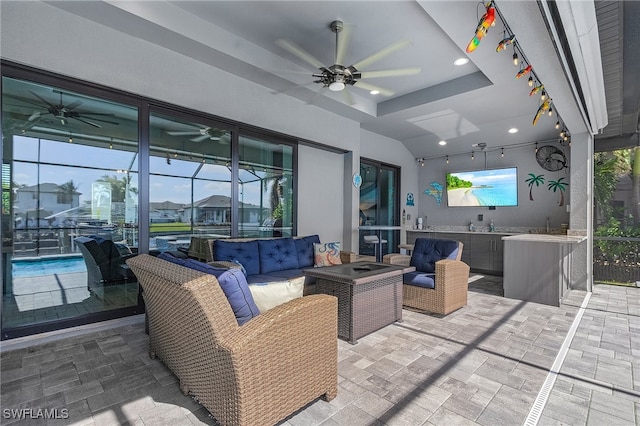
(233, 284)
(427, 251)
(277, 255)
(245, 252)
(304, 247)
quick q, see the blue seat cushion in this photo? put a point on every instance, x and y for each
(245, 252)
(427, 251)
(419, 279)
(277, 254)
(233, 284)
(304, 247)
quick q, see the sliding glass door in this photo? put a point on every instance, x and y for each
(379, 204)
(68, 171)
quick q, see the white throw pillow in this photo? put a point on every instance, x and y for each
(271, 294)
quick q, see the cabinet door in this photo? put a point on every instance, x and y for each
(412, 235)
(498, 255)
(481, 248)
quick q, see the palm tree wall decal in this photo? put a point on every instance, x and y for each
(534, 180)
(558, 185)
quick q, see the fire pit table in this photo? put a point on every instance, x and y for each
(369, 295)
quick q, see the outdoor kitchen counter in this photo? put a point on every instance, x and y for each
(537, 267)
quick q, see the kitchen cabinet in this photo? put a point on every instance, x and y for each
(538, 267)
(487, 253)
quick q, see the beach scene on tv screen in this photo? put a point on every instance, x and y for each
(496, 187)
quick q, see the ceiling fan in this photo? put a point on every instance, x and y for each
(204, 133)
(337, 76)
(64, 112)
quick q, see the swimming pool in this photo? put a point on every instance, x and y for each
(48, 266)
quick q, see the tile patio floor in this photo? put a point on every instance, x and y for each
(484, 364)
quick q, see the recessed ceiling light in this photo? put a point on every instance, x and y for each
(513, 130)
(374, 92)
(443, 143)
(460, 61)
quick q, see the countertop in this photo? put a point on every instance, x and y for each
(546, 238)
(461, 232)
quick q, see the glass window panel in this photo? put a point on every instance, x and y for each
(68, 159)
(190, 181)
(265, 188)
(25, 148)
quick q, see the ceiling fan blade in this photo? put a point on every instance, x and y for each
(381, 54)
(41, 98)
(100, 119)
(390, 73)
(298, 51)
(18, 98)
(86, 122)
(73, 105)
(342, 41)
(366, 86)
(288, 89)
(200, 138)
(186, 133)
(348, 97)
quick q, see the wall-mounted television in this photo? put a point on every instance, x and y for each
(489, 187)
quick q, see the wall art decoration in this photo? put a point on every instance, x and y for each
(534, 180)
(410, 199)
(435, 191)
(558, 185)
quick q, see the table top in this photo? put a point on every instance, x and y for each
(358, 272)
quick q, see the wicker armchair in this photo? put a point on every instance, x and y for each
(255, 374)
(451, 285)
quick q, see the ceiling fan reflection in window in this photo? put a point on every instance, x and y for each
(63, 112)
(203, 134)
(338, 76)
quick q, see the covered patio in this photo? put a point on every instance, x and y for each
(495, 361)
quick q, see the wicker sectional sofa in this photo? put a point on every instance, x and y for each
(255, 374)
(267, 260)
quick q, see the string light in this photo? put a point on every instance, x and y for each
(536, 150)
(472, 155)
(557, 124)
(550, 111)
(502, 152)
(522, 59)
(447, 159)
(70, 138)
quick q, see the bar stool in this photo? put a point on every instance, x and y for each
(377, 243)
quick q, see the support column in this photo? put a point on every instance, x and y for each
(581, 209)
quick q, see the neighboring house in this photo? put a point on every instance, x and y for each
(216, 210)
(164, 212)
(39, 201)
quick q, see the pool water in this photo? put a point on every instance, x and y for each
(34, 268)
